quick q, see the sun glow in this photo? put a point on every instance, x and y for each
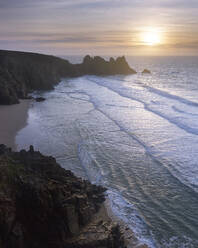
(151, 37)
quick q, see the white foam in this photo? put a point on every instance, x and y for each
(129, 215)
(167, 124)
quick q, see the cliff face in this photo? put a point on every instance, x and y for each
(22, 72)
(43, 205)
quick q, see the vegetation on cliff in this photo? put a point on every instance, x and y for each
(22, 72)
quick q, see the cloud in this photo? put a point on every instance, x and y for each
(94, 23)
(93, 4)
(119, 36)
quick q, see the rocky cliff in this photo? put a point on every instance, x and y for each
(22, 72)
(44, 206)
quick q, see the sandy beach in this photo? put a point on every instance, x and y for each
(12, 119)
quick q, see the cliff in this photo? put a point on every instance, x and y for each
(21, 73)
(43, 205)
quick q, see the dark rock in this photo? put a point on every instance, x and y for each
(8, 88)
(145, 71)
(97, 235)
(99, 66)
(40, 99)
(31, 149)
(44, 205)
(21, 73)
(87, 59)
(112, 61)
(28, 97)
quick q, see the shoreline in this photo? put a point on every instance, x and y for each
(129, 237)
(13, 118)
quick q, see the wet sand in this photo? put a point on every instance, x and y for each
(12, 119)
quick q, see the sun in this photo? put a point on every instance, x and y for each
(151, 37)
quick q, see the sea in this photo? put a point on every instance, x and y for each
(137, 135)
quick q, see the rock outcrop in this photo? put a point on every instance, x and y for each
(21, 73)
(44, 206)
(146, 71)
(99, 66)
(40, 99)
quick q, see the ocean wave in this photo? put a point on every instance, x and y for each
(129, 215)
(130, 94)
(115, 137)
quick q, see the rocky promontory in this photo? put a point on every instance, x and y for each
(43, 205)
(22, 72)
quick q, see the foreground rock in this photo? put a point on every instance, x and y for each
(44, 206)
(22, 72)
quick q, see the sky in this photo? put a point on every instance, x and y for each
(100, 27)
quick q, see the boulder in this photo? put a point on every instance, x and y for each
(40, 99)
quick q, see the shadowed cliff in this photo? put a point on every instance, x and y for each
(44, 205)
(22, 72)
